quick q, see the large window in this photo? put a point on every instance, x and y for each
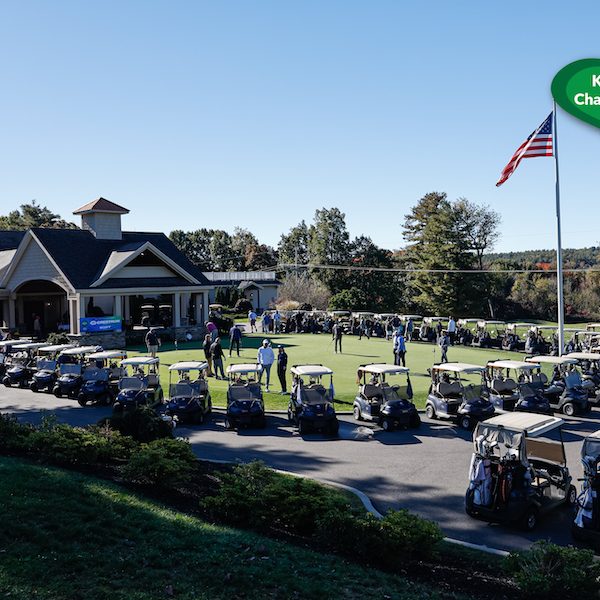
(151, 310)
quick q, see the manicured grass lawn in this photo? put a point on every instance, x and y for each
(67, 536)
(308, 348)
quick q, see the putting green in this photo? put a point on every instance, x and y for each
(308, 348)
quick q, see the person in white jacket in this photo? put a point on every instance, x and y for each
(266, 358)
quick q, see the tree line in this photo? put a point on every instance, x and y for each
(446, 265)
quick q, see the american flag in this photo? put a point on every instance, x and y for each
(539, 143)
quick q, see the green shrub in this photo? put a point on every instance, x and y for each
(57, 338)
(64, 444)
(14, 436)
(142, 424)
(259, 498)
(551, 571)
(399, 534)
(165, 463)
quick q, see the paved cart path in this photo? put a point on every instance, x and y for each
(423, 470)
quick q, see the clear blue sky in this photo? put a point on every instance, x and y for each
(255, 113)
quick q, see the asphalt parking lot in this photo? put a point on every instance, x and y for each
(424, 470)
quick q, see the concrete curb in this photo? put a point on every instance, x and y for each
(366, 502)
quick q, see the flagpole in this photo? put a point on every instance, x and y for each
(559, 260)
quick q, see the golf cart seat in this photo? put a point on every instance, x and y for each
(448, 390)
(506, 386)
(152, 379)
(539, 378)
(370, 391)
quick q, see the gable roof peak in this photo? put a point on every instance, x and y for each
(101, 205)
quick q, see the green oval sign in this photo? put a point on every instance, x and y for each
(576, 89)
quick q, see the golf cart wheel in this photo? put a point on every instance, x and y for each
(415, 421)
(81, 401)
(199, 418)
(465, 422)
(33, 387)
(357, 415)
(209, 410)
(57, 392)
(6, 381)
(430, 411)
(105, 400)
(568, 409)
(529, 520)
(228, 424)
(302, 428)
(334, 428)
(387, 425)
(571, 496)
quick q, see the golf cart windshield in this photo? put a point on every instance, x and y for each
(95, 375)
(591, 448)
(395, 392)
(132, 383)
(184, 390)
(314, 393)
(70, 369)
(46, 365)
(472, 392)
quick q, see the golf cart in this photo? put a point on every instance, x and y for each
(565, 390)
(139, 384)
(245, 405)
(45, 375)
(6, 349)
(428, 329)
(518, 470)
(511, 388)
(311, 404)
(511, 340)
(458, 391)
(109, 360)
(586, 525)
(488, 334)
(70, 371)
(376, 400)
(189, 400)
(20, 366)
(95, 387)
(589, 363)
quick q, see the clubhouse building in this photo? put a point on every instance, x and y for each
(99, 282)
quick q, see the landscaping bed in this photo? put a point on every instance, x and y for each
(288, 509)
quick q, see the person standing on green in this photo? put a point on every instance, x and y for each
(336, 334)
(282, 361)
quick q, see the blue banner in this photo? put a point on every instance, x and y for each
(95, 324)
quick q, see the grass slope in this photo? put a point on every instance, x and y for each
(70, 536)
(308, 348)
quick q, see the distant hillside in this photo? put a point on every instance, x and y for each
(573, 257)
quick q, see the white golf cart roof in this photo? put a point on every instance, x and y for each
(458, 368)
(55, 348)
(139, 361)
(107, 355)
(435, 319)
(544, 327)
(340, 312)
(413, 317)
(512, 364)
(244, 368)
(190, 365)
(530, 424)
(383, 369)
(595, 435)
(81, 350)
(363, 313)
(583, 355)
(387, 315)
(29, 346)
(469, 320)
(593, 326)
(484, 323)
(551, 360)
(311, 370)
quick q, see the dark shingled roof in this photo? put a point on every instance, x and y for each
(101, 205)
(82, 257)
(142, 282)
(10, 240)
